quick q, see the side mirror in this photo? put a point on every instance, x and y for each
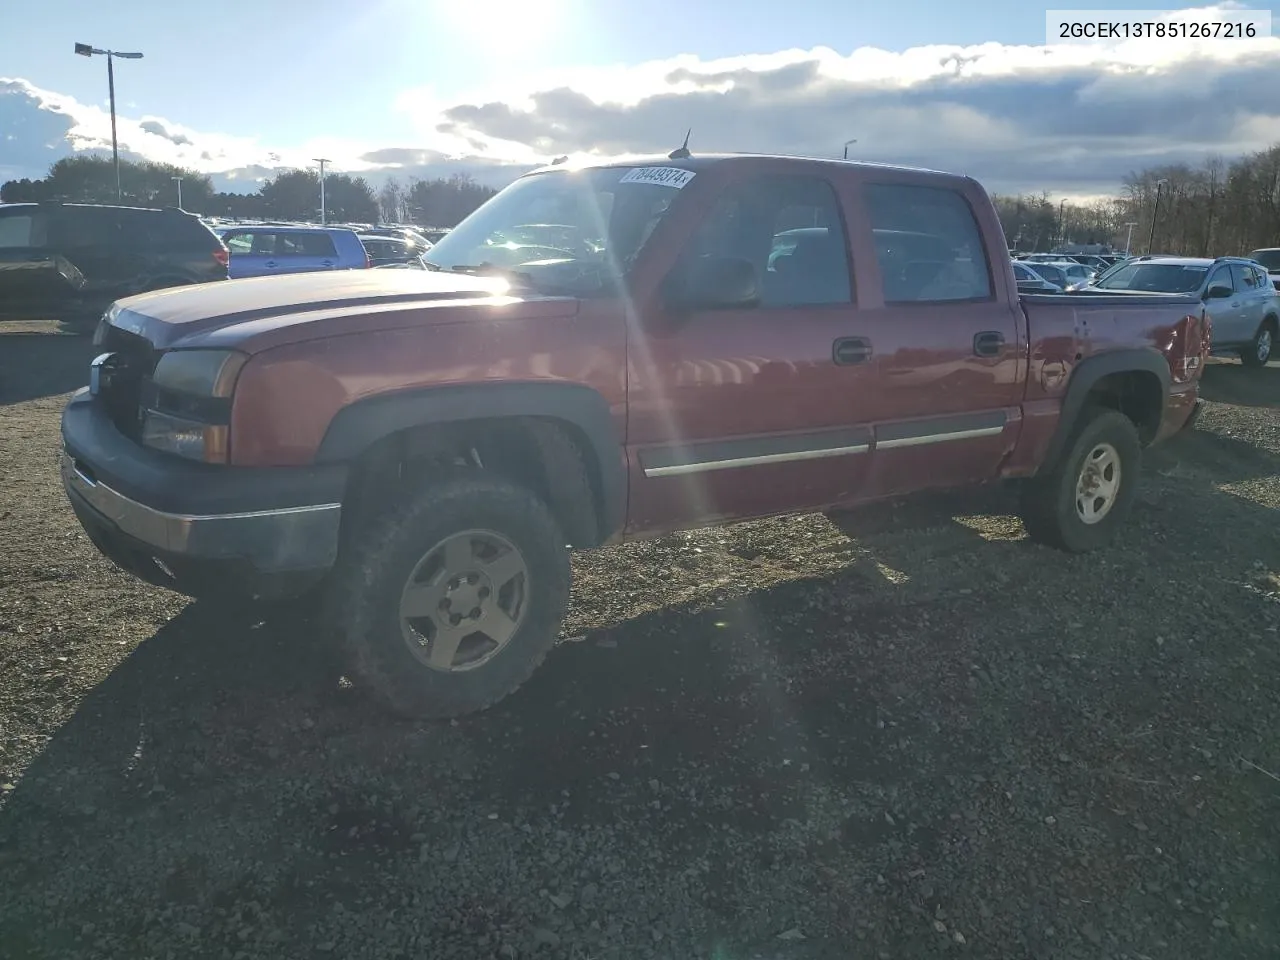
(1219, 291)
(714, 283)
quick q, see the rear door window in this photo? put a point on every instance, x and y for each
(16, 229)
(79, 228)
(928, 244)
(305, 244)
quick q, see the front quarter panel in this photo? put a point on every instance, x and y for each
(288, 395)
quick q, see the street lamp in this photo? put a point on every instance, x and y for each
(178, 181)
(84, 50)
(322, 161)
(1062, 223)
(1151, 237)
(846, 147)
(1128, 240)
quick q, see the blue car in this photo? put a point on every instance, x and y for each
(264, 250)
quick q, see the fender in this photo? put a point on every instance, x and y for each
(361, 424)
(1086, 376)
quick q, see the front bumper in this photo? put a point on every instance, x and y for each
(196, 528)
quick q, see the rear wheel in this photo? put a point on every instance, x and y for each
(449, 601)
(1259, 350)
(1080, 504)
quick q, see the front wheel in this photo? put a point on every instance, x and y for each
(1080, 504)
(1259, 350)
(450, 600)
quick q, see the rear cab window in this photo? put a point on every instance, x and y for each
(928, 244)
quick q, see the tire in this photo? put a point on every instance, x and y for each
(1262, 347)
(468, 514)
(1049, 508)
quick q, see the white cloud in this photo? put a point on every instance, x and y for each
(1071, 118)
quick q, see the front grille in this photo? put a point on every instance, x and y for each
(130, 369)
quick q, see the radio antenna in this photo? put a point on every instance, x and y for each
(682, 152)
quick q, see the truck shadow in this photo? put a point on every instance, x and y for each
(823, 703)
(44, 364)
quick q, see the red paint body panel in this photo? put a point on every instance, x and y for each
(926, 410)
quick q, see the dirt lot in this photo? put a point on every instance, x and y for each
(770, 741)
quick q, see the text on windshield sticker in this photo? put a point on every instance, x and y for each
(664, 176)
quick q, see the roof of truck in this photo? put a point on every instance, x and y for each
(705, 160)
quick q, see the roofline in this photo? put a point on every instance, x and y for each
(710, 159)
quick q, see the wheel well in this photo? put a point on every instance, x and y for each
(1137, 394)
(547, 456)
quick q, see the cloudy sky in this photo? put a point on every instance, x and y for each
(488, 87)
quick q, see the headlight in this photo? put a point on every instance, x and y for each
(187, 406)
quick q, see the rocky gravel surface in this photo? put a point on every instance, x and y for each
(911, 734)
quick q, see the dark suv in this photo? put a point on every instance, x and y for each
(69, 261)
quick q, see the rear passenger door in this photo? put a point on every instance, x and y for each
(305, 251)
(946, 337)
(1254, 298)
(91, 238)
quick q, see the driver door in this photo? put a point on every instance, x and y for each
(756, 409)
(1224, 312)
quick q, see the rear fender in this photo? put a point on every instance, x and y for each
(1087, 374)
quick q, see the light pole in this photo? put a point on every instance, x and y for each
(1128, 240)
(85, 50)
(178, 181)
(1062, 223)
(1151, 237)
(846, 147)
(322, 161)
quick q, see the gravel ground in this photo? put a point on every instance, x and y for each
(921, 736)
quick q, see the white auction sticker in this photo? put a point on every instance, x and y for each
(664, 176)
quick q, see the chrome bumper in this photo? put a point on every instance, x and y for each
(292, 538)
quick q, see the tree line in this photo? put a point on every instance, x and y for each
(1219, 208)
(290, 195)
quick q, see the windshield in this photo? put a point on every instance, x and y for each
(573, 233)
(1268, 258)
(1155, 277)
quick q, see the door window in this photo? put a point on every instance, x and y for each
(310, 244)
(790, 230)
(1243, 277)
(15, 230)
(1221, 276)
(928, 244)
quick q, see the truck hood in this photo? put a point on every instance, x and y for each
(266, 311)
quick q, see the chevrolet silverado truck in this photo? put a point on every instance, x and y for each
(704, 340)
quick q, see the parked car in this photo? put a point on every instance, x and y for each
(1240, 300)
(1046, 270)
(426, 475)
(266, 250)
(410, 235)
(384, 250)
(1269, 257)
(69, 261)
(1029, 281)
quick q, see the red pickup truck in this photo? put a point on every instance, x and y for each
(598, 355)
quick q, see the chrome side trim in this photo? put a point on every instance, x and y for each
(706, 466)
(938, 438)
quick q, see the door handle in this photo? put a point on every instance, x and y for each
(326, 263)
(270, 264)
(988, 343)
(850, 350)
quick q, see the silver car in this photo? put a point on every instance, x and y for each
(1237, 293)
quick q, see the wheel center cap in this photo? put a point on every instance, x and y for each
(470, 592)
